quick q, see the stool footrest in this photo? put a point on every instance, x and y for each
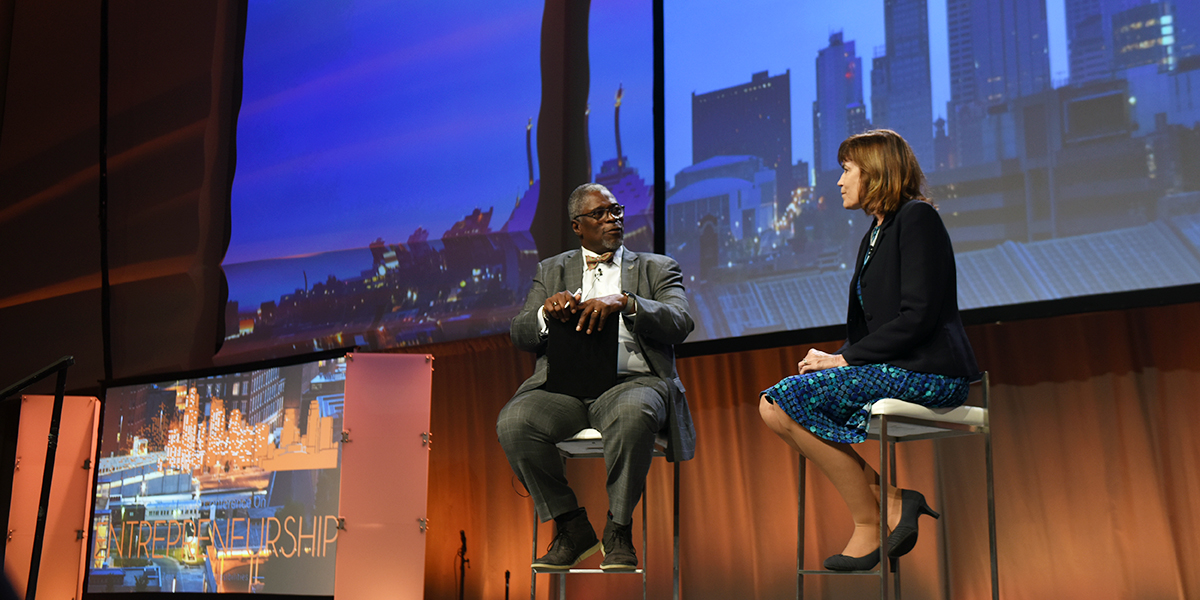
(578, 571)
(874, 572)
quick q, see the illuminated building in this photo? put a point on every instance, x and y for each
(734, 196)
(266, 396)
(908, 108)
(225, 442)
(475, 223)
(183, 449)
(1144, 35)
(839, 87)
(998, 53)
(752, 118)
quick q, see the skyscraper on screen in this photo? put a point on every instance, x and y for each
(753, 119)
(1089, 40)
(838, 111)
(1144, 35)
(998, 52)
(1094, 29)
(901, 96)
(1186, 27)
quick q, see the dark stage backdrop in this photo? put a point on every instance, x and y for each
(1095, 464)
(173, 69)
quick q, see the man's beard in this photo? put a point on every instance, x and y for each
(612, 244)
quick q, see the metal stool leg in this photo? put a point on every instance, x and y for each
(895, 563)
(800, 533)
(533, 573)
(675, 526)
(991, 492)
(884, 482)
(645, 551)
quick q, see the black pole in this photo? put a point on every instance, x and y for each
(102, 193)
(35, 559)
(660, 134)
(507, 576)
(58, 365)
(462, 564)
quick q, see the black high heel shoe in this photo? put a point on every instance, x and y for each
(904, 537)
(841, 562)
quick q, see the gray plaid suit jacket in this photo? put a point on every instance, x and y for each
(662, 320)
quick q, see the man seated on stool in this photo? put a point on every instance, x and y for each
(585, 287)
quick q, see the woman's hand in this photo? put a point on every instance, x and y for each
(816, 360)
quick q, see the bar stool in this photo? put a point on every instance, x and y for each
(896, 421)
(589, 444)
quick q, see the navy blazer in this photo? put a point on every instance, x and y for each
(909, 312)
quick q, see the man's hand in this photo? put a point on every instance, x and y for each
(816, 360)
(561, 306)
(595, 311)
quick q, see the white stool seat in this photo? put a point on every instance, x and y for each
(589, 444)
(960, 420)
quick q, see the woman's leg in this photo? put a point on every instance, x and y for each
(848, 472)
(894, 500)
(768, 410)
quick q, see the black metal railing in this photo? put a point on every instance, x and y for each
(59, 367)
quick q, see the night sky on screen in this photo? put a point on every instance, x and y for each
(715, 44)
(368, 119)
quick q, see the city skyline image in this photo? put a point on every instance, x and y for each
(791, 39)
(227, 483)
(1055, 136)
(387, 185)
(1029, 160)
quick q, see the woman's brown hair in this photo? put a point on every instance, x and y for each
(890, 174)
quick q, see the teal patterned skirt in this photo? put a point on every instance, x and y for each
(835, 404)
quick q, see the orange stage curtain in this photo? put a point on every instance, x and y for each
(1097, 475)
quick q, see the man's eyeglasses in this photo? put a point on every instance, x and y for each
(615, 210)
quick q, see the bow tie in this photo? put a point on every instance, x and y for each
(594, 261)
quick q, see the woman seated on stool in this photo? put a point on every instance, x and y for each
(905, 341)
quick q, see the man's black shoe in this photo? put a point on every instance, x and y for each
(574, 541)
(618, 547)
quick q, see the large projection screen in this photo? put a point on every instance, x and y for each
(388, 170)
(1059, 140)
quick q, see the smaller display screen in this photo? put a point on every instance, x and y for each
(226, 483)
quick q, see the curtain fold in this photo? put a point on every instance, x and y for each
(1096, 467)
